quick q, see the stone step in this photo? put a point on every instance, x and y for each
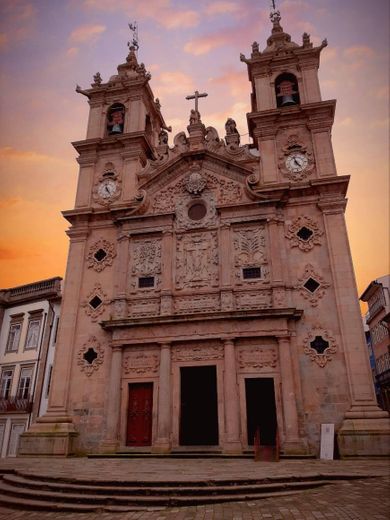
(133, 489)
(55, 502)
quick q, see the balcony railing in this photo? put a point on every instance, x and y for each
(15, 404)
(43, 289)
(383, 363)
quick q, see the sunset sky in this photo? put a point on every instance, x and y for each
(49, 46)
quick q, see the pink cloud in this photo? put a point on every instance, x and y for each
(359, 52)
(205, 44)
(173, 82)
(161, 11)
(236, 81)
(221, 7)
(18, 19)
(86, 33)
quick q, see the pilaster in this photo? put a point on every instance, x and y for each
(167, 270)
(111, 442)
(54, 432)
(164, 424)
(365, 429)
(292, 443)
(232, 442)
(227, 302)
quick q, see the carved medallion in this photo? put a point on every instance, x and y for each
(100, 255)
(304, 233)
(312, 285)
(90, 356)
(319, 345)
(95, 302)
(195, 182)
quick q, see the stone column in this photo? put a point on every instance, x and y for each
(292, 443)
(164, 419)
(54, 432)
(227, 268)
(166, 273)
(113, 402)
(232, 442)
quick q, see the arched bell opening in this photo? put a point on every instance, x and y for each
(115, 119)
(286, 90)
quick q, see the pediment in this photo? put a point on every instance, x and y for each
(194, 175)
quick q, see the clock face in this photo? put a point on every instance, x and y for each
(296, 162)
(107, 188)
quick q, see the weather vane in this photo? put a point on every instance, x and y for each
(135, 40)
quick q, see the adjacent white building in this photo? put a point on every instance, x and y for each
(29, 316)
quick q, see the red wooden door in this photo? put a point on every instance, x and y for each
(139, 417)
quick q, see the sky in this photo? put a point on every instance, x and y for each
(49, 46)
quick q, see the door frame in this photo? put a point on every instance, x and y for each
(176, 397)
(278, 404)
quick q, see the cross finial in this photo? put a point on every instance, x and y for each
(196, 96)
(134, 43)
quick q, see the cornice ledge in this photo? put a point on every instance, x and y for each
(289, 313)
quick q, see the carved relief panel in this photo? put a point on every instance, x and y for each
(256, 359)
(140, 362)
(197, 352)
(145, 273)
(197, 260)
(250, 256)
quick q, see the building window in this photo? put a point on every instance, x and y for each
(145, 282)
(32, 337)
(24, 386)
(6, 382)
(49, 381)
(14, 337)
(251, 273)
(56, 330)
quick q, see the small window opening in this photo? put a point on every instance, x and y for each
(100, 255)
(319, 344)
(304, 233)
(286, 89)
(145, 282)
(250, 273)
(115, 119)
(90, 356)
(311, 285)
(95, 302)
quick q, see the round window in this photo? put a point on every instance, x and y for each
(197, 211)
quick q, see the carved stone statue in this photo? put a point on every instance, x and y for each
(255, 48)
(194, 117)
(97, 80)
(231, 127)
(163, 137)
(232, 135)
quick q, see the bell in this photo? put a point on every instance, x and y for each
(287, 100)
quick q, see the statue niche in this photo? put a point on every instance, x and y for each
(286, 90)
(115, 119)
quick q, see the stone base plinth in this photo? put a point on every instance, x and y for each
(48, 439)
(232, 448)
(295, 447)
(364, 437)
(109, 447)
(161, 447)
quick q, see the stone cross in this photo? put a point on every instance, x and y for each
(196, 96)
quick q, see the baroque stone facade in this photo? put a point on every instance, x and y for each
(210, 292)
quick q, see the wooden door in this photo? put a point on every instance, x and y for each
(139, 417)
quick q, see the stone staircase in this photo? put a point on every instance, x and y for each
(26, 491)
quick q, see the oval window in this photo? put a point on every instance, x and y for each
(197, 211)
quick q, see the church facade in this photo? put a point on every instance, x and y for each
(210, 294)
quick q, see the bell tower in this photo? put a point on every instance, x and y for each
(291, 126)
(289, 122)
